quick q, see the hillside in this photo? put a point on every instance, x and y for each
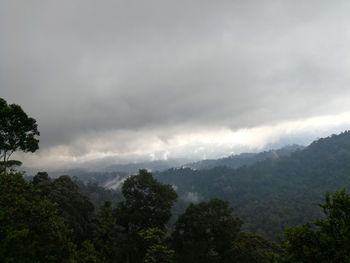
(112, 175)
(236, 161)
(158, 165)
(274, 193)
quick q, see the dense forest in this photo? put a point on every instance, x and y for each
(277, 192)
(277, 189)
(235, 218)
(236, 161)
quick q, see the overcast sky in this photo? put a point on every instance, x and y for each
(161, 79)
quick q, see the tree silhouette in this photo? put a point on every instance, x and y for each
(17, 132)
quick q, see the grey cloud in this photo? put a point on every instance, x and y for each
(84, 67)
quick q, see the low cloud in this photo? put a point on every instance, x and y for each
(191, 197)
(186, 142)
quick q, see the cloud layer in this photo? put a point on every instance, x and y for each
(127, 77)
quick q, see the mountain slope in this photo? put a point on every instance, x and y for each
(111, 178)
(159, 165)
(274, 193)
(236, 161)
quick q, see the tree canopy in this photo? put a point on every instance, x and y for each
(17, 132)
(147, 203)
(73, 206)
(328, 240)
(205, 232)
(30, 228)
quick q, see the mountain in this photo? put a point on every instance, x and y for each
(158, 165)
(269, 190)
(236, 161)
(111, 176)
(274, 193)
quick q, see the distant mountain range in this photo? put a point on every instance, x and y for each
(111, 176)
(276, 192)
(236, 161)
(158, 165)
(268, 190)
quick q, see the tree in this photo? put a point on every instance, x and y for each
(105, 234)
(253, 248)
(17, 132)
(87, 254)
(156, 250)
(72, 205)
(328, 240)
(147, 204)
(205, 232)
(30, 229)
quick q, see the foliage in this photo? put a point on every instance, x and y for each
(87, 254)
(17, 132)
(328, 240)
(159, 253)
(253, 248)
(205, 232)
(105, 234)
(30, 229)
(97, 194)
(35, 233)
(147, 203)
(72, 205)
(156, 250)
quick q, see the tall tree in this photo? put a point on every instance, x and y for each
(17, 132)
(72, 205)
(205, 232)
(147, 204)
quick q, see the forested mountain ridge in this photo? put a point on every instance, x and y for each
(274, 193)
(236, 161)
(113, 175)
(157, 165)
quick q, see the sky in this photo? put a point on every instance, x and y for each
(147, 80)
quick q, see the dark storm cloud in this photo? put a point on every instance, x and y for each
(84, 67)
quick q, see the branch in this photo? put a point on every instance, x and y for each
(9, 155)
